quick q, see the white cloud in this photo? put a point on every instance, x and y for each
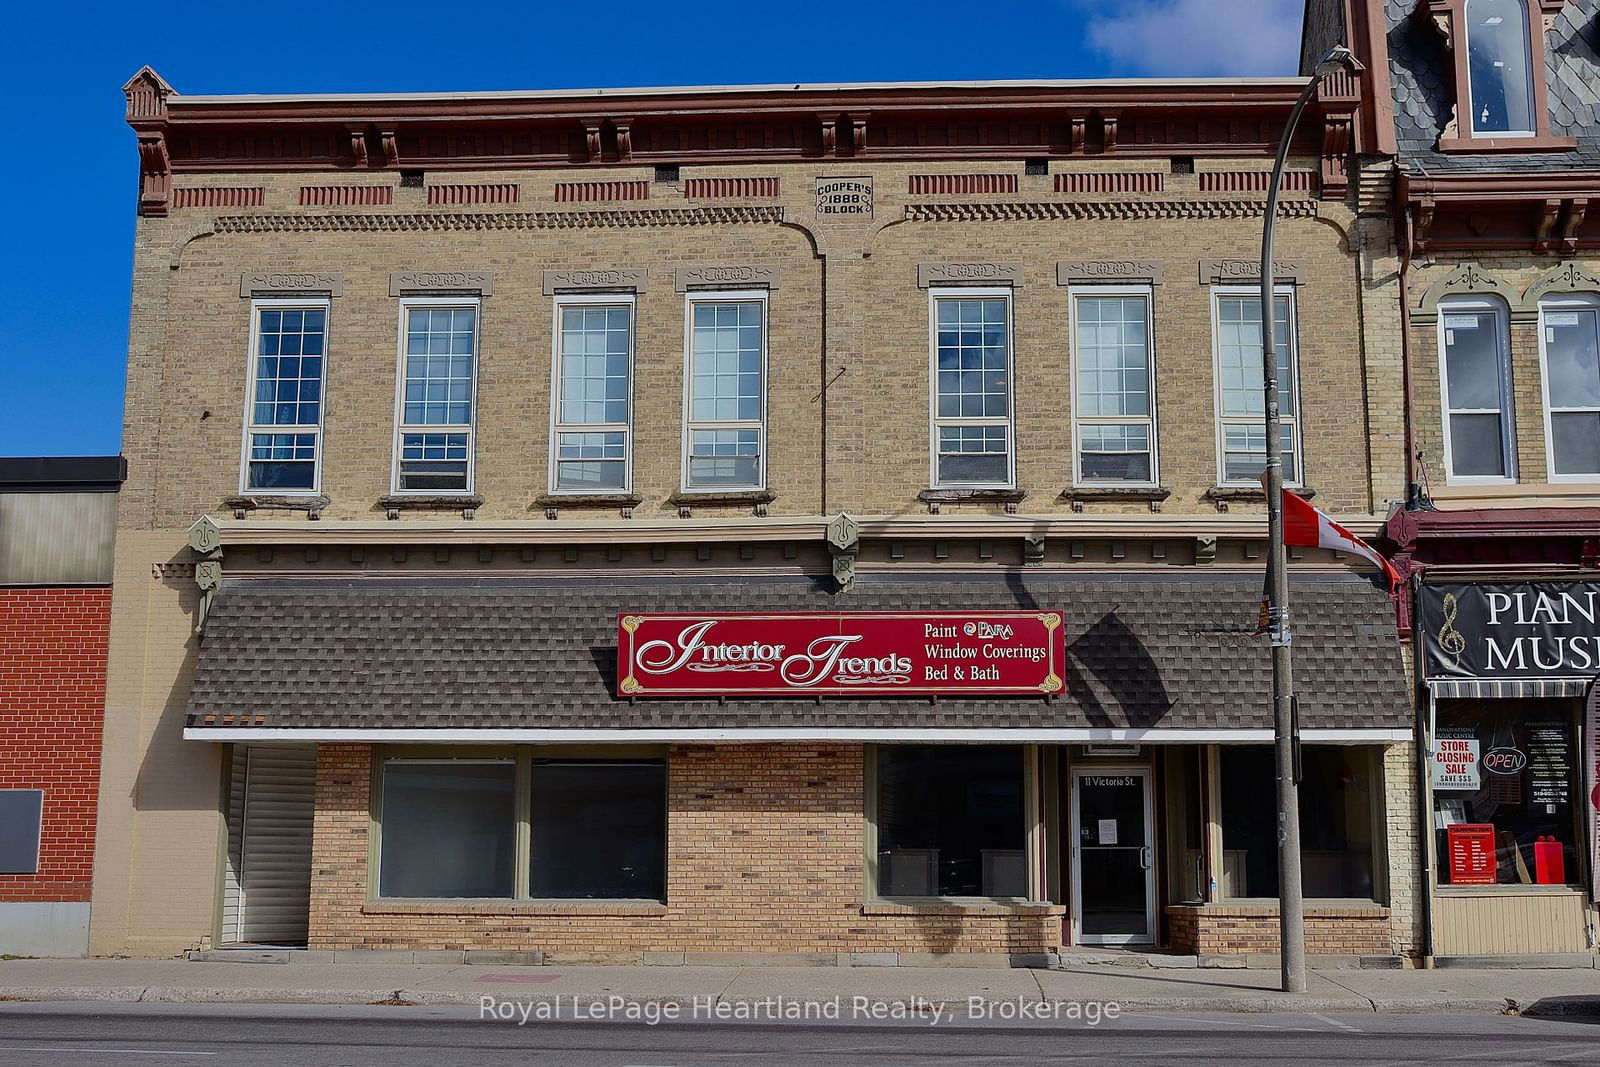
(1196, 37)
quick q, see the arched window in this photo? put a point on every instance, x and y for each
(1500, 68)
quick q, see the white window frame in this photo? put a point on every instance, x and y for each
(1222, 421)
(1508, 422)
(1147, 294)
(968, 292)
(401, 429)
(1530, 69)
(257, 305)
(760, 297)
(626, 299)
(1566, 301)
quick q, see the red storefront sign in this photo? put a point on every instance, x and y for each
(957, 653)
(1472, 860)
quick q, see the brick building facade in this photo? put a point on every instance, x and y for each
(559, 358)
(57, 521)
(1484, 146)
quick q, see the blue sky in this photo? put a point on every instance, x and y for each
(70, 224)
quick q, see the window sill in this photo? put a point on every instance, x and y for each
(935, 498)
(1508, 890)
(1249, 494)
(395, 503)
(1354, 908)
(1477, 146)
(621, 908)
(961, 906)
(311, 503)
(1134, 493)
(689, 498)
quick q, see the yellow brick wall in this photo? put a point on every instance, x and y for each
(765, 853)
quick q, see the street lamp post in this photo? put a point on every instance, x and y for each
(1291, 897)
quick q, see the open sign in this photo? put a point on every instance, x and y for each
(1504, 761)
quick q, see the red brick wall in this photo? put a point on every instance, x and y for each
(52, 696)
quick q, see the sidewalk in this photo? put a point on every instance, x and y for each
(1455, 991)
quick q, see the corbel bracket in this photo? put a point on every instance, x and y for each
(205, 541)
(844, 542)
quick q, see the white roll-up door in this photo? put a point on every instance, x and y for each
(267, 884)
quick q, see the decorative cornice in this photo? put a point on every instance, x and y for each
(345, 195)
(441, 281)
(1223, 271)
(945, 184)
(291, 282)
(1149, 181)
(607, 278)
(444, 221)
(217, 196)
(977, 273)
(1468, 279)
(758, 275)
(1569, 277)
(1076, 272)
(484, 193)
(707, 188)
(1092, 210)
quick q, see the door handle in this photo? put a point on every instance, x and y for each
(1144, 857)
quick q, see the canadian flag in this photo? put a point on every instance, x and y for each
(1306, 527)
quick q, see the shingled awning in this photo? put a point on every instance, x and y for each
(1149, 658)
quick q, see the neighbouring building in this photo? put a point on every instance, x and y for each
(1485, 156)
(816, 521)
(58, 520)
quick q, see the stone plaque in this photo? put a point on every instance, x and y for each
(598, 278)
(753, 275)
(291, 282)
(431, 281)
(1114, 270)
(845, 196)
(929, 274)
(1223, 271)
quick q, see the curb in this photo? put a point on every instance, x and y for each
(1255, 1005)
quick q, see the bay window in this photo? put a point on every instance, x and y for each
(1476, 391)
(592, 403)
(517, 824)
(1569, 345)
(1113, 395)
(725, 423)
(1241, 402)
(950, 821)
(972, 444)
(283, 424)
(434, 448)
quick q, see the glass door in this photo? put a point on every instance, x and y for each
(1113, 876)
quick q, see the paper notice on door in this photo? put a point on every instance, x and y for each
(1562, 318)
(1461, 322)
(1108, 831)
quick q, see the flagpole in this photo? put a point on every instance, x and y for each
(1291, 896)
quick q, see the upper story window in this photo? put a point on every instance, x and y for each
(438, 388)
(724, 429)
(283, 424)
(1569, 334)
(972, 413)
(1500, 68)
(1241, 401)
(1114, 394)
(1475, 384)
(593, 396)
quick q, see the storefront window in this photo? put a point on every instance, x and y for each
(449, 828)
(950, 821)
(1185, 825)
(598, 830)
(1503, 793)
(1336, 822)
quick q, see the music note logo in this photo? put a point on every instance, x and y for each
(1451, 640)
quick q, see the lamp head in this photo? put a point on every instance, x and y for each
(1338, 58)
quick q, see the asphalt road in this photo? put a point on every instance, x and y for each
(52, 1035)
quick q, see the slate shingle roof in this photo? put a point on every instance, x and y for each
(1143, 651)
(1421, 76)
